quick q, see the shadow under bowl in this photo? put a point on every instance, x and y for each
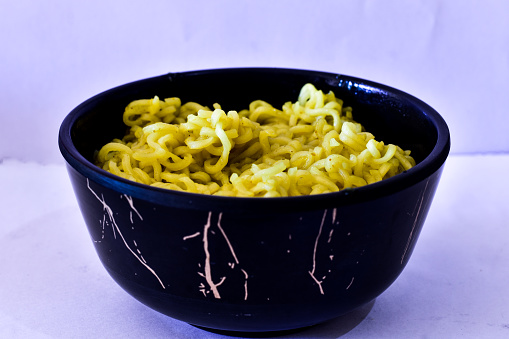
(256, 264)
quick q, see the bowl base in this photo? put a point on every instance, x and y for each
(339, 325)
(241, 334)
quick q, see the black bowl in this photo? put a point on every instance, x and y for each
(256, 264)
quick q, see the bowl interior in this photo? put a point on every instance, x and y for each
(385, 112)
(391, 115)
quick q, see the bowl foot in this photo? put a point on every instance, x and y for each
(339, 325)
(267, 334)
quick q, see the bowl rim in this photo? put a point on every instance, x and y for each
(429, 165)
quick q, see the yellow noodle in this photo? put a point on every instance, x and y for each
(311, 146)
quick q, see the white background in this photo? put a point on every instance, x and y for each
(55, 54)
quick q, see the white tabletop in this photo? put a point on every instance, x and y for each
(52, 284)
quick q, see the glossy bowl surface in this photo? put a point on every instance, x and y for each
(256, 264)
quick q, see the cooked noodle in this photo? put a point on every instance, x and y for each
(307, 147)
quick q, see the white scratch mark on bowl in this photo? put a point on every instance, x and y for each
(191, 236)
(350, 284)
(312, 272)
(207, 274)
(415, 222)
(115, 227)
(330, 236)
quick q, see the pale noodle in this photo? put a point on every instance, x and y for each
(311, 146)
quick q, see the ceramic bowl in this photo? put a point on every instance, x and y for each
(256, 264)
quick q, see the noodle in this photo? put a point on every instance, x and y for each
(311, 146)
